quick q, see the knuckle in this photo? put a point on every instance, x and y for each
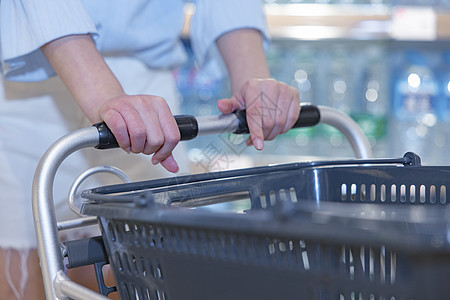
(267, 126)
(155, 142)
(135, 151)
(284, 88)
(253, 84)
(172, 140)
(159, 101)
(140, 100)
(109, 115)
(138, 132)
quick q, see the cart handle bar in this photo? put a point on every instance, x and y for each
(191, 126)
(310, 115)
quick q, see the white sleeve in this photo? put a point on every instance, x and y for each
(213, 18)
(26, 25)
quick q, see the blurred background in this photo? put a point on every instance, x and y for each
(384, 63)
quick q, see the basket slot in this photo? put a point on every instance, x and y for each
(269, 199)
(383, 189)
(443, 194)
(398, 194)
(289, 254)
(368, 267)
(131, 292)
(133, 265)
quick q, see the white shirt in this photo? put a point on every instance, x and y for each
(147, 29)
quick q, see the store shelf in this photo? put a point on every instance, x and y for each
(321, 21)
(443, 26)
(351, 21)
(367, 22)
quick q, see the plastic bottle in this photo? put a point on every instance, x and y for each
(415, 106)
(442, 139)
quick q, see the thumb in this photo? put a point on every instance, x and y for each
(229, 105)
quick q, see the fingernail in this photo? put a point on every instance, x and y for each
(259, 144)
(155, 161)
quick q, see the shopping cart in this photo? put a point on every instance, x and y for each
(354, 229)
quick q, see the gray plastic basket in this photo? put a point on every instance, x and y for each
(374, 229)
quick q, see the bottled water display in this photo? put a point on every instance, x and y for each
(442, 140)
(336, 81)
(416, 106)
(370, 105)
(300, 73)
(399, 97)
(398, 91)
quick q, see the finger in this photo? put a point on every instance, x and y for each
(170, 164)
(268, 91)
(282, 107)
(293, 112)
(171, 134)
(252, 98)
(133, 134)
(118, 127)
(148, 114)
(155, 136)
(229, 105)
(137, 130)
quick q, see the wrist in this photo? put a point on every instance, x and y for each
(244, 56)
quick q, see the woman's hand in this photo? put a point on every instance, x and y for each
(272, 108)
(143, 124)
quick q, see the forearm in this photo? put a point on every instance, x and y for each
(84, 72)
(243, 53)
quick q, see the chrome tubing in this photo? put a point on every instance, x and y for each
(208, 125)
(349, 128)
(331, 116)
(49, 246)
(64, 286)
(86, 174)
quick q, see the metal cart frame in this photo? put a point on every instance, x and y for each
(51, 250)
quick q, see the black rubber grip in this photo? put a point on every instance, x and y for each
(186, 124)
(188, 127)
(106, 139)
(309, 116)
(85, 252)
